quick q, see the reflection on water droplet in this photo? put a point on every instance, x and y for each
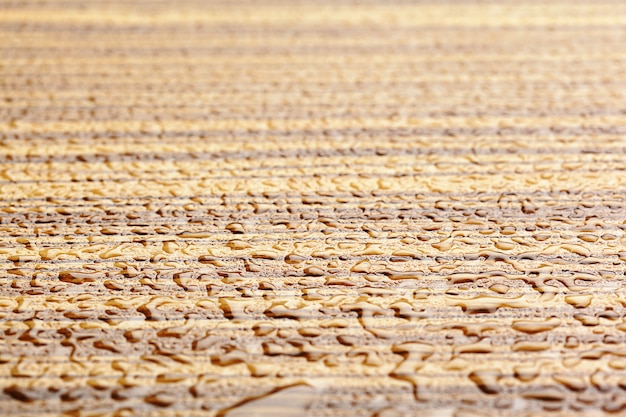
(292, 400)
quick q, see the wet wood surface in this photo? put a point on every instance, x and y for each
(312, 208)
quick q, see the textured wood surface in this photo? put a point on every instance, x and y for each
(322, 208)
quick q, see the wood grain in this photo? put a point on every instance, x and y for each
(322, 208)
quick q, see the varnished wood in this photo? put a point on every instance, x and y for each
(324, 208)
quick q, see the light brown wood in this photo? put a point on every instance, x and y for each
(281, 208)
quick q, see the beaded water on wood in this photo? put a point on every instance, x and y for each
(312, 208)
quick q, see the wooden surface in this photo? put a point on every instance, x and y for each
(323, 208)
